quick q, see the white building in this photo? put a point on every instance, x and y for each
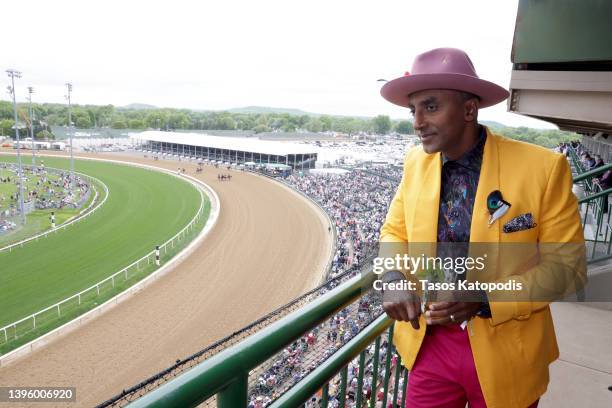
(226, 149)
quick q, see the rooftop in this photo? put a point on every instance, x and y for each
(241, 144)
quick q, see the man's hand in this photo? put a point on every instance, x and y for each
(403, 306)
(444, 313)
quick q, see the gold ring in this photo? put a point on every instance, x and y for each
(452, 317)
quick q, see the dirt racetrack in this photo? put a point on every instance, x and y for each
(269, 246)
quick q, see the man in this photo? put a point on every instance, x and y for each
(468, 185)
(588, 161)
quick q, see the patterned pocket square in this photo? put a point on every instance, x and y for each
(520, 223)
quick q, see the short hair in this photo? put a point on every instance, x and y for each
(466, 96)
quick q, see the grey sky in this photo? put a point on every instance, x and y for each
(318, 56)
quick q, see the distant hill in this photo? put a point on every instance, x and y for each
(266, 109)
(297, 112)
(246, 109)
(140, 106)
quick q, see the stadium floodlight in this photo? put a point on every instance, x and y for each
(30, 92)
(69, 88)
(16, 74)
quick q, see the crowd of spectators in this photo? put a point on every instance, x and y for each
(43, 189)
(589, 162)
(291, 365)
(357, 203)
(7, 226)
(56, 193)
(393, 173)
(372, 383)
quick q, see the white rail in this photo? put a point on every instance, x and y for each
(82, 215)
(125, 272)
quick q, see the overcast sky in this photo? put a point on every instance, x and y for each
(318, 56)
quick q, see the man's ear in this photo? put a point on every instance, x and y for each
(471, 110)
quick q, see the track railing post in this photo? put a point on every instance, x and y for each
(405, 388)
(388, 354)
(375, 372)
(359, 393)
(343, 381)
(398, 374)
(325, 396)
(235, 395)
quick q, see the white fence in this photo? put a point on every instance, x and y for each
(22, 326)
(82, 215)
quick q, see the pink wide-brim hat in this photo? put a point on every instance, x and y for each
(443, 68)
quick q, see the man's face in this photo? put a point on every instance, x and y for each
(439, 119)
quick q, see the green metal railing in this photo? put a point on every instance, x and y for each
(309, 385)
(576, 163)
(599, 240)
(225, 375)
(595, 210)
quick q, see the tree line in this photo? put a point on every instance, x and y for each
(543, 137)
(109, 116)
(93, 116)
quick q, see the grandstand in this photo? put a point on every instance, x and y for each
(226, 149)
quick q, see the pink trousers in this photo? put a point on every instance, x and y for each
(444, 374)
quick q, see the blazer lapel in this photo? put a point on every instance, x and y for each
(480, 231)
(424, 223)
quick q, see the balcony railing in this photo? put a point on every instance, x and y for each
(225, 376)
(595, 209)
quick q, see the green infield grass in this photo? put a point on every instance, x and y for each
(144, 208)
(25, 332)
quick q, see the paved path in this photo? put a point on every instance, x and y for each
(583, 373)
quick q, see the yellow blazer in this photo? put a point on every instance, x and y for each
(512, 349)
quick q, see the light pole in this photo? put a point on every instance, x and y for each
(14, 73)
(69, 87)
(30, 92)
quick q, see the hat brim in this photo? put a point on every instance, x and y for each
(397, 90)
